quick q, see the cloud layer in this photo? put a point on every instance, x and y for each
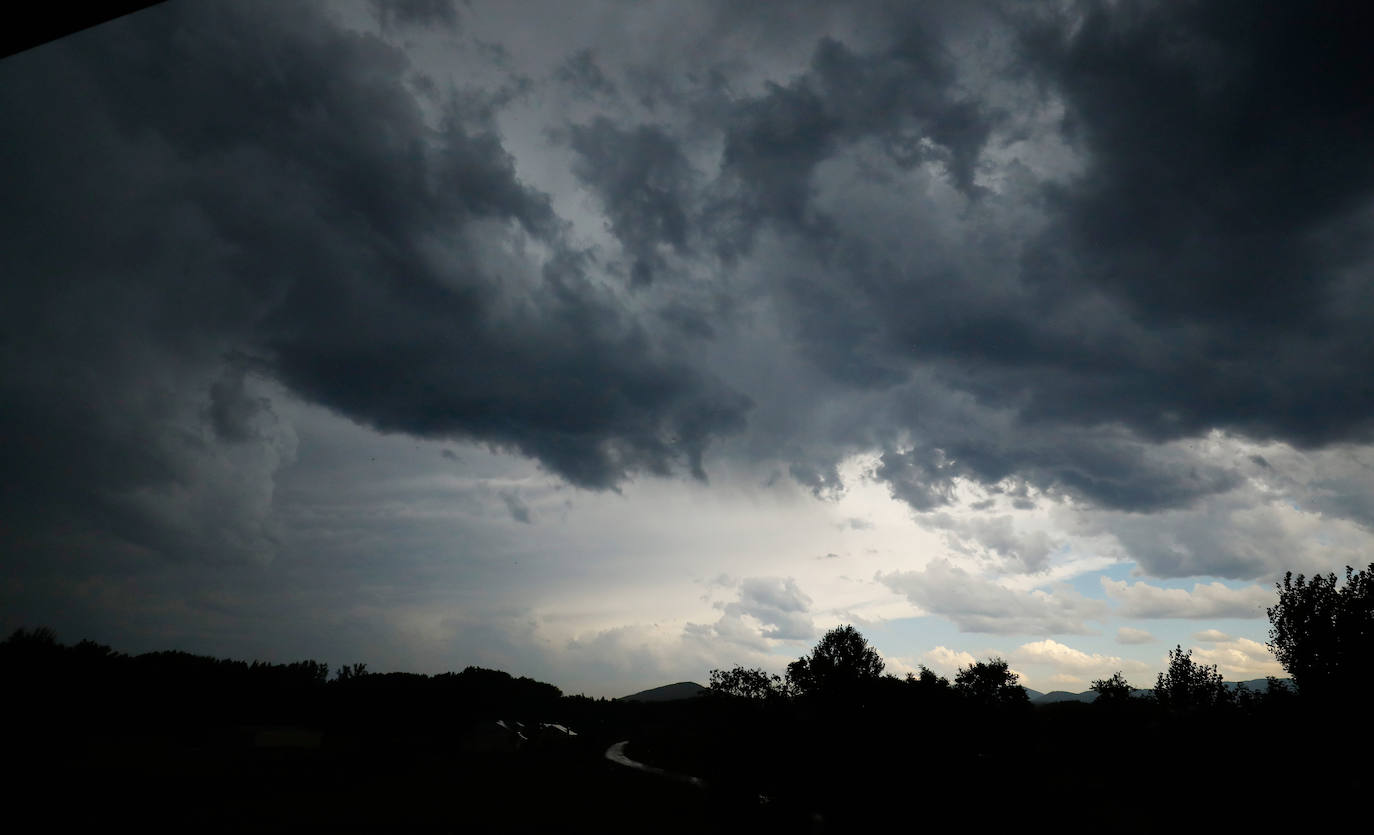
(1078, 284)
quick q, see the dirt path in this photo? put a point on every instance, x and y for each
(616, 754)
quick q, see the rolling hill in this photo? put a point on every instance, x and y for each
(666, 693)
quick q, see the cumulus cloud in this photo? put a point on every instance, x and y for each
(1064, 658)
(946, 661)
(1239, 658)
(1069, 668)
(1211, 636)
(975, 604)
(1206, 600)
(1129, 635)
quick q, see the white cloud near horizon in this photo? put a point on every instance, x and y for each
(1205, 600)
(1239, 659)
(946, 661)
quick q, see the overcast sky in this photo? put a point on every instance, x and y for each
(610, 342)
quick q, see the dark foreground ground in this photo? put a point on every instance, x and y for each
(165, 785)
(99, 741)
(228, 782)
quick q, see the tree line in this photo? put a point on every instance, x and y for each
(1321, 632)
(834, 738)
(976, 737)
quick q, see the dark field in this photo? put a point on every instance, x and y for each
(170, 741)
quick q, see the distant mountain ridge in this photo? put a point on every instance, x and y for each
(666, 693)
(690, 689)
(1255, 685)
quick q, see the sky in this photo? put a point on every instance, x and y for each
(612, 342)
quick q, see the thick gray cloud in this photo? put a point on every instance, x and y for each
(1033, 308)
(519, 510)
(1110, 468)
(206, 190)
(900, 95)
(645, 183)
(1102, 322)
(997, 538)
(1225, 202)
(584, 75)
(777, 603)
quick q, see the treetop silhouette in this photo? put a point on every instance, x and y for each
(990, 682)
(1188, 685)
(841, 661)
(1323, 635)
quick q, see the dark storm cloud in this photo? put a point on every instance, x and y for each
(234, 413)
(824, 482)
(205, 191)
(1227, 200)
(583, 74)
(903, 96)
(869, 316)
(423, 13)
(1111, 470)
(645, 183)
(208, 199)
(688, 320)
(1223, 217)
(899, 96)
(1205, 269)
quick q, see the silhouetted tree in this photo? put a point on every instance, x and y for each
(349, 672)
(839, 664)
(1324, 635)
(746, 683)
(928, 679)
(1187, 685)
(40, 637)
(494, 694)
(309, 672)
(1114, 690)
(990, 683)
